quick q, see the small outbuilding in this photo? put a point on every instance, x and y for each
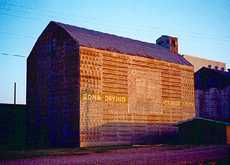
(203, 131)
(12, 126)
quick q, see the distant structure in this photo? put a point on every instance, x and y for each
(88, 88)
(171, 43)
(198, 63)
(213, 94)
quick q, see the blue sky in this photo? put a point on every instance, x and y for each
(202, 26)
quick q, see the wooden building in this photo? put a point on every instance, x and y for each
(12, 126)
(203, 131)
(87, 88)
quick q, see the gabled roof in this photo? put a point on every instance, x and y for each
(180, 123)
(104, 41)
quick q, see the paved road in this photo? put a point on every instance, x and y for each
(146, 155)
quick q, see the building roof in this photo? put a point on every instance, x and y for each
(199, 62)
(110, 42)
(206, 78)
(180, 123)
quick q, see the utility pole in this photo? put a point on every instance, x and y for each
(14, 92)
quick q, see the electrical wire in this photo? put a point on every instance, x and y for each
(23, 8)
(14, 55)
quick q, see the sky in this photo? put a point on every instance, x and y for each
(202, 28)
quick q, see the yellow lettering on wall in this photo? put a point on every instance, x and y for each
(105, 98)
(177, 103)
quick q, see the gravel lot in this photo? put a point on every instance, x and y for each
(160, 155)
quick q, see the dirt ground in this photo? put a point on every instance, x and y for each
(159, 155)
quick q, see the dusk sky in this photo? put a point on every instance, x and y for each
(202, 27)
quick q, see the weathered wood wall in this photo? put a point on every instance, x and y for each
(53, 91)
(126, 99)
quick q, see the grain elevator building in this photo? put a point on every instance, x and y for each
(88, 88)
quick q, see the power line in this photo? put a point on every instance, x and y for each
(124, 29)
(185, 35)
(14, 55)
(23, 8)
(141, 29)
(16, 35)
